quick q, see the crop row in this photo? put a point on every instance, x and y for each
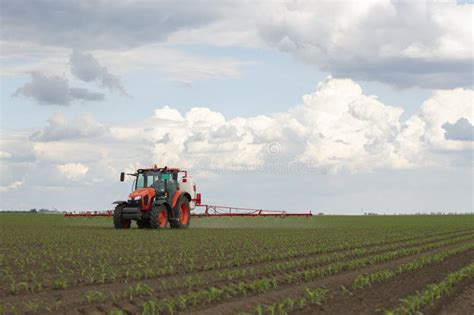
(321, 259)
(309, 298)
(299, 302)
(146, 269)
(78, 265)
(80, 256)
(382, 275)
(271, 268)
(413, 303)
(310, 274)
(66, 280)
(208, 295)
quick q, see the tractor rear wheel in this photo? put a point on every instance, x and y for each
(119, 222)
(158, 217)
(182, 214)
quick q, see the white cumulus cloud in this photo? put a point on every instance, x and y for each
(13, 186)
(5, 155)
(73, 171)
(61, 128)
(335, 128)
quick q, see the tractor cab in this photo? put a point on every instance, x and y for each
(159, 196)
(164, 183)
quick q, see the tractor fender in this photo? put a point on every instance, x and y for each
(172, 208)
(159, 202)
(190, 199)
(187, 195)
(178, 195)
(119, 202)
(175, 198)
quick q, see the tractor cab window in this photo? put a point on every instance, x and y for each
(146, 180)
(165, 176)
(172, 179)
(140, 181)
(154, 179)
(150, 180)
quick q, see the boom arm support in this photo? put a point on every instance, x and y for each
(212, 211)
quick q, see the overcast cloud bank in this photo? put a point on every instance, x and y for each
(416, 44)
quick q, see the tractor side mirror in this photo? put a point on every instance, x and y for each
(122, 176)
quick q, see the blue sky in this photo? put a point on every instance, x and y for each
(361, 95)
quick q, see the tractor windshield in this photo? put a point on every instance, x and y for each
(148, 179)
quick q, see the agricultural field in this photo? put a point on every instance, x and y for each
(324, 265)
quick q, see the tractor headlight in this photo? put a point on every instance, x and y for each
(137, 198)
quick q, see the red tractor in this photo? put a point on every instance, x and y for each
(160, 196)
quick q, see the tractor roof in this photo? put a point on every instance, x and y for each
(160, 169)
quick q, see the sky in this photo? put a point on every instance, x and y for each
(341, 107)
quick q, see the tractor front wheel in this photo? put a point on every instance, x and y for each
(119, 222)
(143, 224)
(182, 214)
(158, 217)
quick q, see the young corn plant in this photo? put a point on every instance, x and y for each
(16, 287)
(183, 301)
(59, 284)
(139, 289)
(316, 296)
(151, 307)
(271, 309)
(170, 305)
(260, 309)
(213, 294)
(94, 296)
(367, 280)
(32, 306)
(287, 304)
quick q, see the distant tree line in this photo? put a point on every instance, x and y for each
(34, 210)
(420, 213)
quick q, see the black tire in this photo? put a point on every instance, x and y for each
(119, 222)
(182, 214)
(158, 217)
(143, 224)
